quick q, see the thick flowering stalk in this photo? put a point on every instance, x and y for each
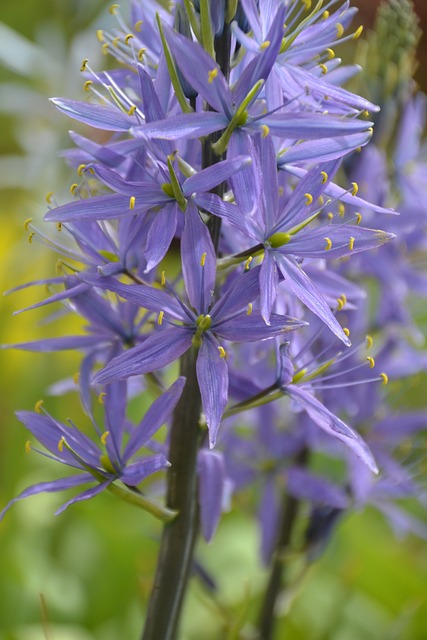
(208, 225)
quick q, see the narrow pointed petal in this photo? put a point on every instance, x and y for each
(49, 487)
(156, 415)
(241, 292)
(208, 178)
(158, 350)
(301, 285)
(56, 344)
(332, 425)
(97, 208)
(85, 495)
(309, 126)
(137, 472)
(161, 234)
(307, 486)
(252, 328)
(346, 240)
(227, 211)
(200, 71)
(187, 125)
(322, 150)
(106, 118)
(268, 283)
(211, 471)
(198, 260)
(147, 192)
(212, 375)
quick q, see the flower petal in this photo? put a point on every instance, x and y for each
(212, 375)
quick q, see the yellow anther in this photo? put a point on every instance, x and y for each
(38, 406)
(324, 68)
(203, 259)
(87, 85)
(265, 44)
(325, 176)
(369, 341)
(160, 317)
(59, 226)
(249, 311)
(61, 444)
(265, 130)
(371, 362)
(330, 52)
(371, 130)
(330, 215)
(104, 48)
(358, 32)
(113, 9)
(325, 15)
(358, 218)
(346, 331)
(163, 278)
(351, 243)
(132, 110)
(307, 3)
(344, 298)
(132, 201)
(341, 302)
(366, 113)
(140, 54)
(355, 188)
(281, 191)
(308, 198)
(341, 209)
(84, 64)
(100, 35)
(129, 37)
(80, 169)
(248, 262)
(116, 41)
(49, 197)
(27, 446)
(222, 352)
(340, 29)
(27, 222)
(104, 437)
(76, 378)
(321, 200)
(74, 188)
(138, 25)
(31, 236)
(328, 244)
(212, 75)
(101, 397)
(384, 378)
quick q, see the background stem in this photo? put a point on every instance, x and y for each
(277, 580)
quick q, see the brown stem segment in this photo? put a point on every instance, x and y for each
(277, 579)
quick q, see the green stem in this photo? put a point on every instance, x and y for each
(179, 536)
(277, 580)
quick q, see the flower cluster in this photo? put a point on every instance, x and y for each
(218, 225)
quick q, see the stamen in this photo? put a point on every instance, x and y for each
(248, 262)
(341, 210)
(80, 169)
(369, 341)
(87, 85)
(116, 41)
(49, 197)
(28, 447)
(84, 64)
(27, 222)
(203, 259)
(128, 38)
(132, 110)
(160, 317)
(222, 352)
(163, 279)
(101, 397)
(61, 444)
(325, 15)
(74, 188)
(38, 406)
(384, 377)
(265, 44)
(104, 48)
(308, 198)
(138, 25)
(104, 437)
(325, 176)
(346, 331)
(371, 362)
(340, 29)
(113, 9)
(140, 54)
(328, 243)
(76, 377)
(249, 311)
(330, 52)
(324, 68)
(212, 75)
(358, 217)
(358, 32)
(132, 201)
(59, 226)
(355, 188)
(31, 236)
(351, 243)
(265, 130)
(100, 35)
(321, 200)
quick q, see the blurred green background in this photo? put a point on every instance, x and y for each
(86, 574)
